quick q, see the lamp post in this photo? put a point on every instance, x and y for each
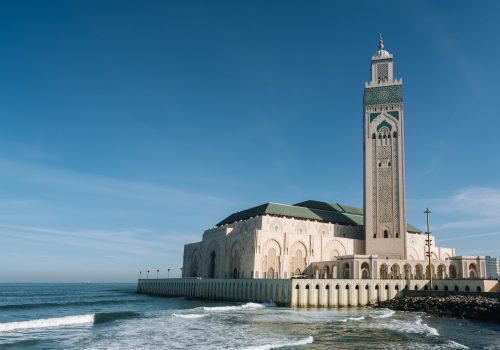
(168, 273)
(157, 272)
(428, 241)
(147, 275)
(181, 272)
(140, 272)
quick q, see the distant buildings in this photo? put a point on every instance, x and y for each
(492, 267)
(331, 240)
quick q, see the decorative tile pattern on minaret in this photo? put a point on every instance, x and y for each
(383, 146)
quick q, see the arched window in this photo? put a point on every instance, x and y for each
(386, 234)
(384, 135)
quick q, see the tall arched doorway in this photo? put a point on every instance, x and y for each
(211, 266)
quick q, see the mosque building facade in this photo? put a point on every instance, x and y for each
(316, 239)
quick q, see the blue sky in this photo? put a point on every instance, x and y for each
(129, 127)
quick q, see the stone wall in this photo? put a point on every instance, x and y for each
(302, 292)
(254, 290)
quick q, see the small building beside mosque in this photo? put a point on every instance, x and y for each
(329, 240)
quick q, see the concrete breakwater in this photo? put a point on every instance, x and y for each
(299, 292)
(473, 307)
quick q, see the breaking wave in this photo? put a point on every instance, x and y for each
(64, 304)
(190, 316)
(455, 345)
(66, 321)
(385, 314)
(305, 341)
(112, 316)
(360, 318)
(47, 322)
(416, 327)
(238, 307)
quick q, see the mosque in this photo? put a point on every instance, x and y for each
(314, 239)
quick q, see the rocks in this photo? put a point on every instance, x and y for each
(458, 306)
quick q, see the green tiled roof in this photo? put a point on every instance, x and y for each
(312, 210)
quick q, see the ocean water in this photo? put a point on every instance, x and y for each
(113, 316)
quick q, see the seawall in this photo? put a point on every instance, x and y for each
(301, 292)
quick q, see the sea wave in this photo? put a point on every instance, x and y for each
(423, 346)
(385, 314)
(66, 321)
(360, 318)
(246, 306)
(190, 316)
(305, 341)
(416, 326)
(47, 322)
(102, 317)
(62, 304)
(454, 345)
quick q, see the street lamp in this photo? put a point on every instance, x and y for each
(168, 273)
(148, 275)
(181, 272)
(157, 271)
(140, 272)
(429, 241)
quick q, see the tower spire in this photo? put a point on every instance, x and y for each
(380, 42)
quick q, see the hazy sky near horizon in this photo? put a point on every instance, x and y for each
(129, 127)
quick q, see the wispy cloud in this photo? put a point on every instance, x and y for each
(477, 207)
(108, 186)
(69, 215)
(468, 220)
(123, 241)
(472, 236)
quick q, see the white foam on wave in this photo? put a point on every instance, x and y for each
(47, 322)
(416, 326)
(360, 318)
(423, 346)
(190, 316)
(385, 314)
(237, 307)
(454, 345)
(305, 341)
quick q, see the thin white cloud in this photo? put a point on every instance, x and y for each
(472, 236)
(106, 186)
(470, 208)
(122, 241)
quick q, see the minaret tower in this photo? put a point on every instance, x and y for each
(383, 148)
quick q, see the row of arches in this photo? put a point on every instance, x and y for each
(301, 293)
(396, 271)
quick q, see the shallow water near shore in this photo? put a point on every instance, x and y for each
(113, 316)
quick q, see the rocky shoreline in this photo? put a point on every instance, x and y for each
(457, 306)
